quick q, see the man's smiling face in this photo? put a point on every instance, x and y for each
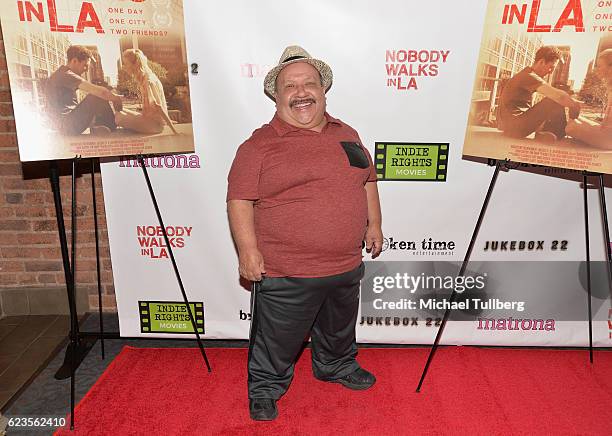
(300, 97)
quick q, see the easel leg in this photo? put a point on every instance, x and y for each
(461, 272)
(585, 183)
(77, 349)
(176, 271)
(74, 317)
(69, 277)
(604, 214)
(95, 216)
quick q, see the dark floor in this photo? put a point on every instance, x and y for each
(26, 344)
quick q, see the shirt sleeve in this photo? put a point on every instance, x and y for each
(243, 177)
(532, 81)
(372, 177)
(71, 80)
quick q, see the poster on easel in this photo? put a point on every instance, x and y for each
(543, 88)
(94, 79)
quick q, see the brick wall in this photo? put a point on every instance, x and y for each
(29, 243)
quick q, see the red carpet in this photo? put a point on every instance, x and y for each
(468, 391)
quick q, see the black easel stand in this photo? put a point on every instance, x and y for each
(81, 342)
(606, 229)
(95, 215)
(466, 259)
(585, 185)
(176, 271)
(77, 348)
(462, 270)
(84, 341)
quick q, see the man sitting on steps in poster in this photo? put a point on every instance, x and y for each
(94, 111)
(518, 117)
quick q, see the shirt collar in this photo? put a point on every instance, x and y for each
(282, 127)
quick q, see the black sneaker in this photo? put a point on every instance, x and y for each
(263, 409)
(358, 380)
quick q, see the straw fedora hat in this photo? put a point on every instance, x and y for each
(291, 55)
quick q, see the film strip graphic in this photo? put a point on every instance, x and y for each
(411, 161)
(170, 317)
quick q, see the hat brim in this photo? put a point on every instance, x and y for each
(323, 69)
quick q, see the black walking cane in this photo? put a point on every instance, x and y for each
(255, 288)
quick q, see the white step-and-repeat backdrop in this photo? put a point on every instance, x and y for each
(403, 77)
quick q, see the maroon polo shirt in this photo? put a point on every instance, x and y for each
(309, 196)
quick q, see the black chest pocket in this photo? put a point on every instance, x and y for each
(356, 155)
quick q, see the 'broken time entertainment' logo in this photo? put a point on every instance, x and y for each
(411, 161)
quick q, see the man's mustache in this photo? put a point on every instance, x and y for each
(301, 101)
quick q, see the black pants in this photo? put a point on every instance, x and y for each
(285, 310)
(546, 115)
(91, 110)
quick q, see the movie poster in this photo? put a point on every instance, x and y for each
(543, 88)
(103, 78)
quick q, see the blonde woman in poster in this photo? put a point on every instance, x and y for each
(154, 116)
(597, 135)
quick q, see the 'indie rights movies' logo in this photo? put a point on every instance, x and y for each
(170, 317)
(411, 161)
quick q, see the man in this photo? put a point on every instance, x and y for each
(94, 111)
(518, 118)
(302, 198)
